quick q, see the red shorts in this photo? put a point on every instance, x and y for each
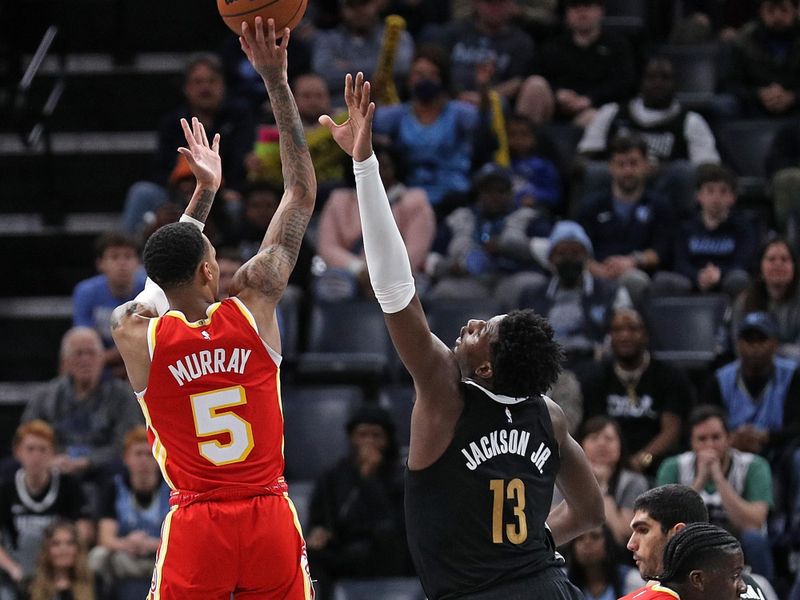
(251, 546)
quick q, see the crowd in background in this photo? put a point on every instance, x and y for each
(467, 130)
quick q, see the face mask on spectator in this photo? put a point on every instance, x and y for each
(569, 272)
(426, 90)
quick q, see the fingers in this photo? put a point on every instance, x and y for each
(358, 88)
(198, 135)
(326, 121)
(187, 133)
(369, 114)
(205, 137)
(260, 31)
(364, 105)
(285, 38)
(348, 90)
(187, 154)
(215, 145)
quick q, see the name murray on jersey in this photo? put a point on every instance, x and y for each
(504, 441)
(218, 360)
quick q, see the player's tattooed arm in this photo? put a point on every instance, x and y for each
(131, 308)
(204, 160)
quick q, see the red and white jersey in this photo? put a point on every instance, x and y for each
(652, 592)
(212, 403)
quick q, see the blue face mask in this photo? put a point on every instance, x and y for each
(427, 90)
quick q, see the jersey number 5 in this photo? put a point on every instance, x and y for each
(211, 419)
(516, 534)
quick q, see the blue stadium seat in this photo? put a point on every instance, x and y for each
(396, 588)
(399, 400)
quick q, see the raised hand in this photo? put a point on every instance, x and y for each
(203, 158)
(264, 53)
(354, 136)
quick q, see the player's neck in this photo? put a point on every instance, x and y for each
(192, 304)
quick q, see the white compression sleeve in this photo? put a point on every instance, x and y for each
(187, 219)
(153, 294)
(387, 258)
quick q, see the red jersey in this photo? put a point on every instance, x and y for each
(652, 592)
(212, 403)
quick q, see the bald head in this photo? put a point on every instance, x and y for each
(82, 356)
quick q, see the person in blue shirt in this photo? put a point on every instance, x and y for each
(536, 180)
(121, 278)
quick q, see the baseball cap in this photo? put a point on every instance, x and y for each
(491, 172)
(758, 321)
(370, 414)
(570, 231)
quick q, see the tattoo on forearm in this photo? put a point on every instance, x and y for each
(200, 206)
(295, 159)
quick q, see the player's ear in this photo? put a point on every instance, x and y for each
(205, 270)
(697, 580)
(484, 370)
(675, 529)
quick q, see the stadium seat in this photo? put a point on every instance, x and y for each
(290, 336)
(399, 400)
(626, 17)
(688, 331)
(300, 492)
(745, 144)
(314, 427)
(447, 317)
(396, 588)
(695, 68)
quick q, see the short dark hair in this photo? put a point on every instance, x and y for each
(671, 504)
(696, 546)
(711, 173)
(526, 360)
(114, 239)
(207, 59)
(627, 142)
(172, 254)
(704, 412)
(439, 56)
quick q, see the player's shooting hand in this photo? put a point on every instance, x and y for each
(203, 158)
(354, 136)
(267, 56)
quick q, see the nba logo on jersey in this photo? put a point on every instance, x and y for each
(206, 335)
(508, 415)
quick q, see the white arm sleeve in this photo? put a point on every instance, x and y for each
(387, 258)
(152, 294)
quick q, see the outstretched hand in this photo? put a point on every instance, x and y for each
(354, 136)
(263, 51)
(203, 158)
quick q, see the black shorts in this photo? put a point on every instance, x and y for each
(550, 584)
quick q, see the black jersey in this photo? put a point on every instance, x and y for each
(476, 517)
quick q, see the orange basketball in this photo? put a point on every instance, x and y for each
(287, 13)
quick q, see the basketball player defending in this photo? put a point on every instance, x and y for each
(486, 444)
(206, 375)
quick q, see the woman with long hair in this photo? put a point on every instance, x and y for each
(62, 572)
(595, 566)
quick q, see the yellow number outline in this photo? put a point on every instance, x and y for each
(209, 406)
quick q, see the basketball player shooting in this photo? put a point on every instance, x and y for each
(486, 445)
(206, 376)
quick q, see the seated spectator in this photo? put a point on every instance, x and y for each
(579, 71)
(62, 571)
(120, 280)
(204, 90)
(775, 290)
(715, 250)
(131, 509)
(631, 228)
(354, 45)
(704, 21)
(229, 261)
(485, 249)
(764, 71)
(735, 486)
(649, 398)
(596, 569)
(759, 390)
(313, 100)
(783, 166)
(678, 140)
(576, 304)
(37, 496)
(433, 133)
(601, 440)
(356, 526)
(90, 417)
(489, 35)
(340, 240)
(536, 180)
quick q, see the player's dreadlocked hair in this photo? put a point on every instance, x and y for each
(526, 360)
(671, 504)
(173, 253)
(696, 546)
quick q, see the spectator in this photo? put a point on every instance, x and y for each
(37, 496)
(340, 241)
(678, 140)
(89, 416)
(354, 45)
(649, 398)
(601, 440)
(229, 260)
(596, 569)
(715, 250)
(576, 304)
(356, 513)
(536, 180)
(704, 20)
(204, 90)
(485, 249)
(783, 166)
(62, 572)
(631, 227)
(735, 486)
(131, 509)
(581, 70)
(759, 390)
(764, 73)
(120, 280)
(434, 133)
(775, 290)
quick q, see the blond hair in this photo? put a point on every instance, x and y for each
(81, 579)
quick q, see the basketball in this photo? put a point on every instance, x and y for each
(287, 13)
